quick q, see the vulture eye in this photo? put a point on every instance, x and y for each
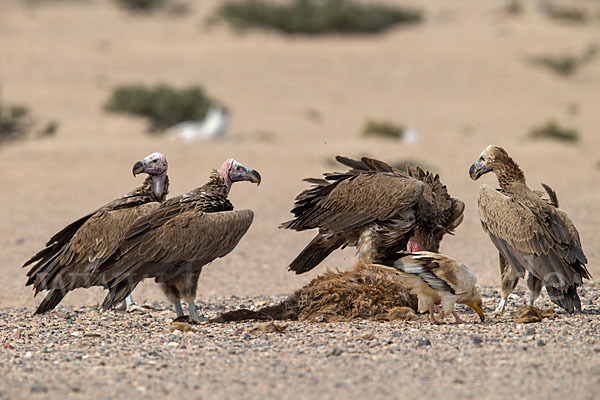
(481, 158)
(238, 168)
(155, 161)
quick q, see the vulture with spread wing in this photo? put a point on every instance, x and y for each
(71, 257)
(436, 277)
(379, 209)
(531, 234)
(175, 241)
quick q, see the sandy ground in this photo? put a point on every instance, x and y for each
(461, 79)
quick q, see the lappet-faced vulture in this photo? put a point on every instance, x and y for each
(379, 209)
(71, 257)
(436, 277)
(531, 234)
(176, 240)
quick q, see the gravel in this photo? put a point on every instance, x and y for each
(81, 352)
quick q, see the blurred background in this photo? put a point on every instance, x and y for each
(88, 87)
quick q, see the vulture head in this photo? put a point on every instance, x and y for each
(491, 158)
(474, 301)
(495, 158)
(234, 171)
(156, 166)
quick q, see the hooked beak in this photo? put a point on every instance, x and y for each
(138, 168)
(254, 176)
(478, 310)
(477, 169)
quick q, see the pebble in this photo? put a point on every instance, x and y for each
(423, 342)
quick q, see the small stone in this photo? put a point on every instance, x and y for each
(172, 344)
(597, 349)
(76, 333)
(38, 389)
(336, 351)
(397, 334)
(530, 331)
(320, 318)
(541, 343)
(476, 339)
(423, 342)
(28, 355)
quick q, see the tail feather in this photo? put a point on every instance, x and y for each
(117, 294)
(568, 300)
(51, 301)
(315, 252)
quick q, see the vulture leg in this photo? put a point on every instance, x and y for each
(193, 313)
(178, 308)
(457, 319)
(130, 306)
(432, 316)
(535, 287)
(508, 279)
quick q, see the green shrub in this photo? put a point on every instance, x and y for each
(553, 130)
(141, 5)
(313, 17)
(401, 165)
(383, 129)
(566, 64)
(163, 105)
(566, 13)
(17, 122)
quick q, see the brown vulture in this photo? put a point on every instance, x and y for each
(176, 240)
(531, 234)
(436, 277)
(379, 209)
(71, 257)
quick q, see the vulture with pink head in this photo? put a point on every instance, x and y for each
(531, 234)
(71, 257)
(377, 208)
(176, 240)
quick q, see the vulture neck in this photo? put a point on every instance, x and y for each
(220, 182)
(509, 174)
(158, 186)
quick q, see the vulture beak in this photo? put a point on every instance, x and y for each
(477, 169)
(478, 309)
(138, 168)
(254, 176)
(238, 172)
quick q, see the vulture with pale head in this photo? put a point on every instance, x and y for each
(71, 257)
(176, 240)
(530, 233)
(436, 277)
(375, 207)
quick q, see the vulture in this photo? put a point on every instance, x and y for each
(436, 277)
(376, 208)
(530, 233)
(71, 257)
(173, 242)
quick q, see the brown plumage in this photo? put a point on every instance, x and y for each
(173, 242)
(379, 209)
(531, 234)
(72, 255)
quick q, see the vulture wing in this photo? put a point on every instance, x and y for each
(72, 254)
(534, 236)
(164, 251)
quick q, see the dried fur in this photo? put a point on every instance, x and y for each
(361, 293)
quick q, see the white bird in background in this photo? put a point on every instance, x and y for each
(215, 125)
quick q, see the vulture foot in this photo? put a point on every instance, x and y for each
(500, 309)
(457, 319)
(432, 316)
